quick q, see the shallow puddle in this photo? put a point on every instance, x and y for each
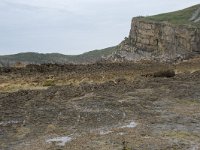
(105, 132)
(5, 123)
(130, 125)
(61, 141)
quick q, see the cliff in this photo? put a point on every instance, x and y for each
(164, 37)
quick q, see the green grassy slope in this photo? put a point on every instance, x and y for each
(178, 17)
(95, 54)
(33, 57)
(38, 58)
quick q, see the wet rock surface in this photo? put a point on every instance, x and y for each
(149, 112)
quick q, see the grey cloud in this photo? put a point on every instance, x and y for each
(20, 6)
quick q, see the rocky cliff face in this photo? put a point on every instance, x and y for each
(162, 41)
(164, 37)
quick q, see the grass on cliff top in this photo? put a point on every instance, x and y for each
(178, 17)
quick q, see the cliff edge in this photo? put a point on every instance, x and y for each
(166, 37)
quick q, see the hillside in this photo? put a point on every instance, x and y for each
(188, 16)
(38, 58)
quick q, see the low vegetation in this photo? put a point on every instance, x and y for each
(178, 17)
(49, 82)
(98, 105)
(164, 73)
(37, 58)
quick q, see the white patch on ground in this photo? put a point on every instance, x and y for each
(121, 133)
(124, 114)
(61, 141)
(130, 125)
(195, 147)
(104, 132)
(5, 123)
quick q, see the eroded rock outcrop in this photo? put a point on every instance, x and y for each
(196, 16)
(161, 41)
(164, 37)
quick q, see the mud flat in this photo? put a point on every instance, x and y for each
(136, 106)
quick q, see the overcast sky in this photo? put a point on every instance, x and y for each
(72, 26)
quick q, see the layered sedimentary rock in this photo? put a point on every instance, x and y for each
(164, 37)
